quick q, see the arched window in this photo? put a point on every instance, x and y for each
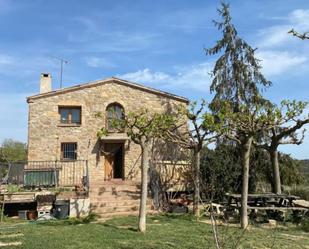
(114, 111)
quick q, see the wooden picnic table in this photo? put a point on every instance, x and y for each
(263, 200)
(269, 202)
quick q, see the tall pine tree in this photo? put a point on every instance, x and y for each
(237, 79)
(236, 76)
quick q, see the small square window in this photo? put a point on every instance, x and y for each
(70, 115)
(68, 151)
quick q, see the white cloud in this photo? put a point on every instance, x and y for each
(278, 35)
(277, 62)
(146, 75)
(300, 17)
(194, 77)
(275, 36)
(281, 52)
(99, 62)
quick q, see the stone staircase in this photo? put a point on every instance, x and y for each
(116, 197)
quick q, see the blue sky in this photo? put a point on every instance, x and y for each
(157, 43)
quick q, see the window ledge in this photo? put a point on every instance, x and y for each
(115, 136)
(115, 132)
(69, 125)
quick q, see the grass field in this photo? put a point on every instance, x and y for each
(162, 232)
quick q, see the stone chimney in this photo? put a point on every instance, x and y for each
(45, 83)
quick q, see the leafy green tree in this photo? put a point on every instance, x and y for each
(290, 170)
(143, 127)
(288, 120)
(221, 170)
(304, 169)
(12, 151)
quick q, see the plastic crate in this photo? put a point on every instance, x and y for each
(22, 214)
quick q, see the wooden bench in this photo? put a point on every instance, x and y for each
(279, 208)
(272, 208)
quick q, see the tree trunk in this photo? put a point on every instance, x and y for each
(276, 171)
(246, 148)
(196, 197)
(144, 192)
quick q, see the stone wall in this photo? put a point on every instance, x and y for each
(46, 133)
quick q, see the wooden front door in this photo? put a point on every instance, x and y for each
(109, 166)
(114, 161)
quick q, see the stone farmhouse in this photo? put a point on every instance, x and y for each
(63, 126)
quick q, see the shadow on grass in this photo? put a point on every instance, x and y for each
(52, 222)
(67, 222)
(174, 216)
(120, 227)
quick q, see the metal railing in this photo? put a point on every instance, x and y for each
(45, 173)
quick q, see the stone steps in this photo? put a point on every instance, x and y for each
(130, 213)
(120, 198)
(109, 210)
(109, 198)
(99, 182)
(113, 189)
(114, 203)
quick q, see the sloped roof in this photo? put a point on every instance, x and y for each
(106, 81)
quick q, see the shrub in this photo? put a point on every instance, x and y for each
(301, 191)
(12, 188)
(84, 220)
(305, 225)
(90, 218)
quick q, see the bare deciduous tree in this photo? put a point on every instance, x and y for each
(169, 172)
(303, 36)
(201, 131)
(242, 127)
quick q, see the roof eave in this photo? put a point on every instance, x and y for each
(99, 82)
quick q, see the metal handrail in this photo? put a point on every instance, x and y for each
(48, 173)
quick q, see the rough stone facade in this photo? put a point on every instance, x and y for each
(46, 133)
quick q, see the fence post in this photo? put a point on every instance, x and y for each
(55, 173)
(24, 175)
(8, 174)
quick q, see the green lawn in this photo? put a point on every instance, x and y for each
(162, 232)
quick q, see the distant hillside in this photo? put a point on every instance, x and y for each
(304, 167)
(304, 170)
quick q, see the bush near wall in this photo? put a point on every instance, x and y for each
(299, 190)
